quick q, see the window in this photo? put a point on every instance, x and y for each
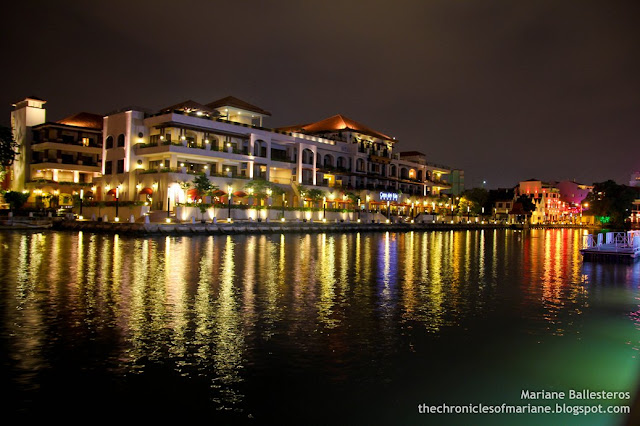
(85, 141)
(108, 167)
(120, 166)
(109, 142)
(120, 140)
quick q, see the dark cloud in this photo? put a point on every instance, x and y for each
(505, 90)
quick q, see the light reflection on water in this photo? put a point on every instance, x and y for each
(353, 309)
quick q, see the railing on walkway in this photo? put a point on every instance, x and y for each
(612, 241)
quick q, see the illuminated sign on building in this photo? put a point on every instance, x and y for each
(388, 196)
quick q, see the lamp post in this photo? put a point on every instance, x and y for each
(482, 215)
(229, 188)
(283, 200)
(467, 213)
(81, 198)
(324, 208)
(388, 210)
(359, 208)
(117, 198)
(433, 211)
(168, 203)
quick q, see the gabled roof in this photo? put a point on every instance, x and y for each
(518, 209)
(231, 101)
(83, 119)
(336, 123)
(189, 106)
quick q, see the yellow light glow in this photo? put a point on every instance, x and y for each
(167, 220)
(282, 220)
(80, 217)
(117, 219)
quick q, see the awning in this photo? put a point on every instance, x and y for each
(146, 191)
(240, 194)
(112, 191)
(193, 194)
(218, 193)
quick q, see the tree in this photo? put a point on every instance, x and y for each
(8, 147)
(315, 195)
(8, 150)
(15, 199)
(527, 204)
(474, 199)
(262, 189)
(204, 187)
(611, 202)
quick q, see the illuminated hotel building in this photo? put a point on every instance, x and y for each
(149, 157)
(55, 159)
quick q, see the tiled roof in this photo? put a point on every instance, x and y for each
(231, 101)
(83, 119)
(188, 106)
(336, 123)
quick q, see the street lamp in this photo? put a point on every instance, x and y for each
(229, 189)
(283, 199)
(117, 198)
(324, 208)
(81, 198)
(168, 203)
(359, 209)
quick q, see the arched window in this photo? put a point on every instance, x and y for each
(109, 142)
(328, 160)
(307, 156)
(121, 140)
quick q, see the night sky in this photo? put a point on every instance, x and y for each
(506, 90)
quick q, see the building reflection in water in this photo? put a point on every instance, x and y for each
(204, 305)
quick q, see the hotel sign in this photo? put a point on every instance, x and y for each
(388, 196)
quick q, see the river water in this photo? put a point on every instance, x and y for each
(313, 329)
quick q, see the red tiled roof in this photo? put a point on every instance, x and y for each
(336, 123)
(83, 119)
(231, 101)
(517, 209)
(188, 106)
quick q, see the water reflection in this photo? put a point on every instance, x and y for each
(208, 306)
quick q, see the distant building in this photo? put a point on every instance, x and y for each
(502, 201)
(573, 193)
(635, 179)
(546, 199)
